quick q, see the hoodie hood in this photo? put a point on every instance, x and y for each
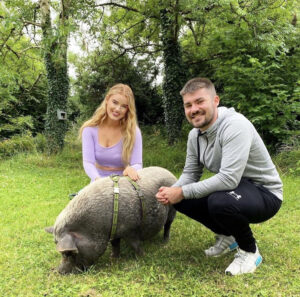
(223, 113)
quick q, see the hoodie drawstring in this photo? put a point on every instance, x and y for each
(198, 146)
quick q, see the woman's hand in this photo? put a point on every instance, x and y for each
(131, 172)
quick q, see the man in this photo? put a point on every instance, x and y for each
(246, 187)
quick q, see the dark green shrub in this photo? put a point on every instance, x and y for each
(16, 144)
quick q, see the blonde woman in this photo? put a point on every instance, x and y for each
(111, 139)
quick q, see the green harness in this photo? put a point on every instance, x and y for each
(115, 179)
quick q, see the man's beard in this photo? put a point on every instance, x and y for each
(202, 124)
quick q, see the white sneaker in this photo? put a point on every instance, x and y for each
(244, 262)
(223, 245)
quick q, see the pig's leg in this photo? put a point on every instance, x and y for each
(167, 226)
(115, 244)
(136, 243)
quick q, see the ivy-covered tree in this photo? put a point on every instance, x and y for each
(174, 74)
(49, 33)
(55, 45)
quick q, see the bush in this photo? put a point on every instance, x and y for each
(289, 162)
(22, 143)
(157, 152)
(40, 142)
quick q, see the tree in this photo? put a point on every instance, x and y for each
(34, 20)
(55, 45)
(22, 79)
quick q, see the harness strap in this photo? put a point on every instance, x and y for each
(140, 195)
(115, 179)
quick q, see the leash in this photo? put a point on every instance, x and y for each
(115, 179)
(140, 195)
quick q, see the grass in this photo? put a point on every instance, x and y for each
(34, 188)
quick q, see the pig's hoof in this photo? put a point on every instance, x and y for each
(166, 239)
(139, 253)
(115, 255)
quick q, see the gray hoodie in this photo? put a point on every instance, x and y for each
(232, 149)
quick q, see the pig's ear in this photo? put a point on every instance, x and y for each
(50, 229)
(67, 244)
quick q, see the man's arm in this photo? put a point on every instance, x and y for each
(191, 173)
(236, 142)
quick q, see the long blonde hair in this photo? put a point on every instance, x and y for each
(128, 123)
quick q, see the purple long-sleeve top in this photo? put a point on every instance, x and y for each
(93, 152)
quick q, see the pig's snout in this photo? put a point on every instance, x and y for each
(68, 264)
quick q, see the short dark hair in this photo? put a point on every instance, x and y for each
(197, 83)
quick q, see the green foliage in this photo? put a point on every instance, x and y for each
(22, 80)
(256, 89)
(157, 152)
(288, 161)
(16, 144)
(251, 51)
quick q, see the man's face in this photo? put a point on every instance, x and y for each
(200, 108)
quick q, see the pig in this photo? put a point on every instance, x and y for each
(83, 229)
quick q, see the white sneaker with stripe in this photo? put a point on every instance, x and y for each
(224, 244)
(244, 262)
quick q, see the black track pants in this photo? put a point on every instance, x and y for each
(230, 213)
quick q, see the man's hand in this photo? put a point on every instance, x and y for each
(169, 195)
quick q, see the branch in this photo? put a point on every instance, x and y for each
(32, 23)
(36, 81)
(28, 48)
(128, 49)
(125, 7)
(259, 7)
(118, 5)
(206, 9)
(129, 28)
(8, 47)
(10, 33)
(190, 25)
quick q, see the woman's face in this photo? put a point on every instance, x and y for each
(117, 107)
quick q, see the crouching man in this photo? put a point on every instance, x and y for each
(246, 187)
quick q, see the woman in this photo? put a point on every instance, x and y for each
(111, 139)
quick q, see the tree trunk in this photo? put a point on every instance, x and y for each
(174, 77)
(55, 47)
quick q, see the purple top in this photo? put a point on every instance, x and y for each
(93, 152)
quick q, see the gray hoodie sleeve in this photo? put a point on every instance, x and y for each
(236, 137)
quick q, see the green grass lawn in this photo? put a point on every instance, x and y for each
(35, 188)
